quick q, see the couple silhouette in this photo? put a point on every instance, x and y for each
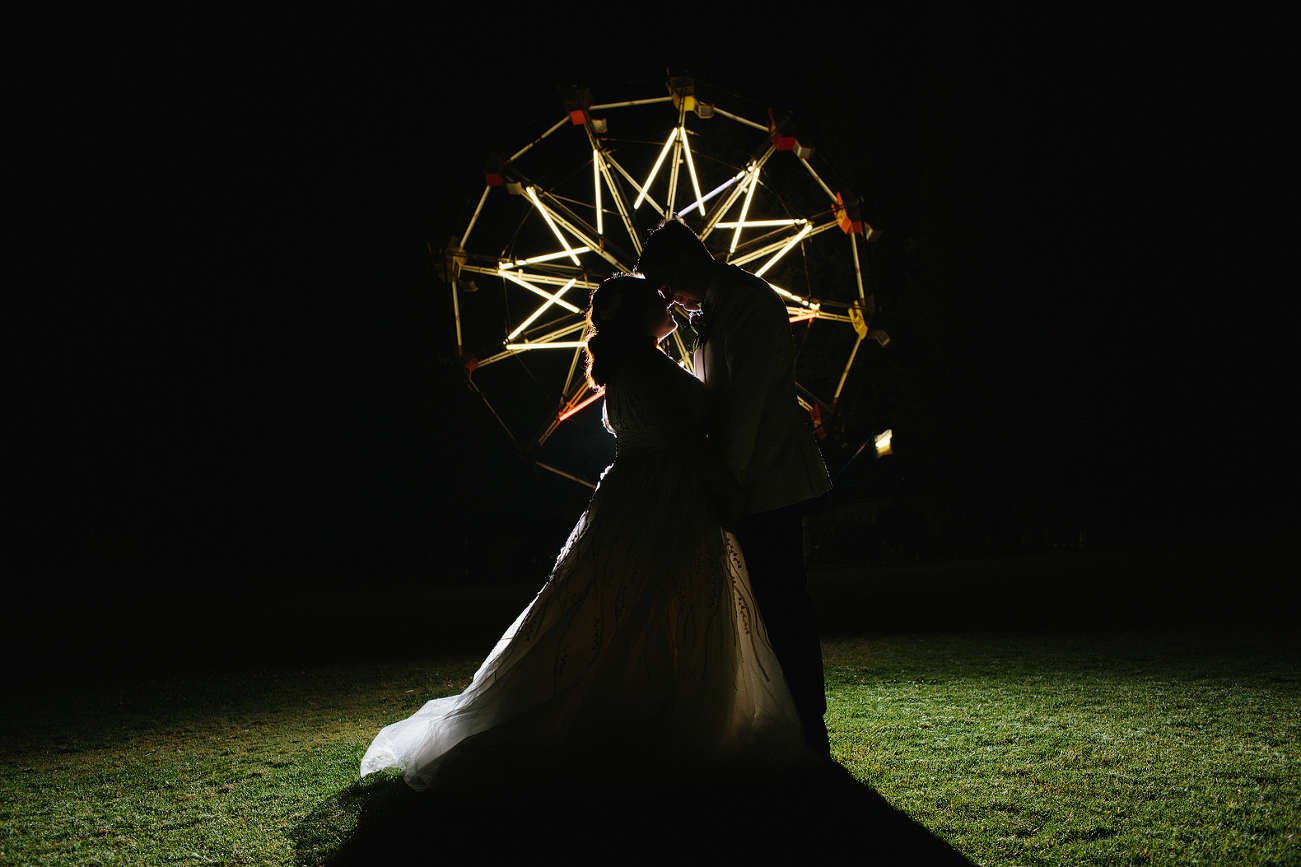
(668, 676)
(661, 637)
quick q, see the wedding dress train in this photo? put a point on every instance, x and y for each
(643, 650)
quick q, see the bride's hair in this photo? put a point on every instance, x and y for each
(614, 325)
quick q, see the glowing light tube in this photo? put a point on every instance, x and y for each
(749, 223)
(784, 250)
(596, 186)
(555, 344)
(518, 263)
(654, 171)
(715, 191)
(567, 413)
(691, 165)
(550, 222)
(745, 209)
(545, 294)
(552, 300)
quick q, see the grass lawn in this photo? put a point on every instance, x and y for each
(1107, 747)
(1081, 750)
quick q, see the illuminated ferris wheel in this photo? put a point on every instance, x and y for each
(573, 206)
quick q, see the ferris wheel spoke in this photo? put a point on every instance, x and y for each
(631, 102)
(691, 165)
(596, 192)
(605, 161)
(858, 271)
(551, 300)
(784, 250)
(569, 405)
(573, 366)
(559, 215)
(546, 215)
(559, 472)
(636, 186)
(475, 218)
(533, 277)
(818, 178)
(778, 245)
(752, 184)
(530, 145)
(762, 223)
(700, 202)
(546, 257)
(739, 119)
(845, 375)
(752, 169)
(515, 278)
(650, 179)
(687, 359)
(550, 340)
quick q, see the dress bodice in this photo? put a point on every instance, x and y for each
(651, 404)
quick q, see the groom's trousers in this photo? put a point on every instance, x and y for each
(773, 546)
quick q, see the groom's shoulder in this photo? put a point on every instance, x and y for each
(757, 293)
(736, 275)
(754, 289)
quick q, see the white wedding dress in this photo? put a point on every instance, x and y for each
(643, 652)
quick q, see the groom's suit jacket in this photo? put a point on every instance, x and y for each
(746, 359)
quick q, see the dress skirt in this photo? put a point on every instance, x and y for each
(643, 652)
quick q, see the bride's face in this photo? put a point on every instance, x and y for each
(657, 315)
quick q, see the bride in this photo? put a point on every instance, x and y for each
(644, 651)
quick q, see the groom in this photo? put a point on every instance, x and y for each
(746, 358)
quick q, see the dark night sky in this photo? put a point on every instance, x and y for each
(242, 329)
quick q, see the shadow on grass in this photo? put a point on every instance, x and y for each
(822, 816)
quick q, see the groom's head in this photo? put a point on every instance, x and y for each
(676, 260)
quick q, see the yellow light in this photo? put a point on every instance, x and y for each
(745, 208)
(555, 344)
(782, 292)
(883, 443)
(782, 252)
(546, 215)
(718, 189)
(529, 286)
(750, 223)
(517, 263)
(691, 166)
(596, 184)
(552, 300)
(654, 171)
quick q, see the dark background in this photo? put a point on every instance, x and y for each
(240, 367)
